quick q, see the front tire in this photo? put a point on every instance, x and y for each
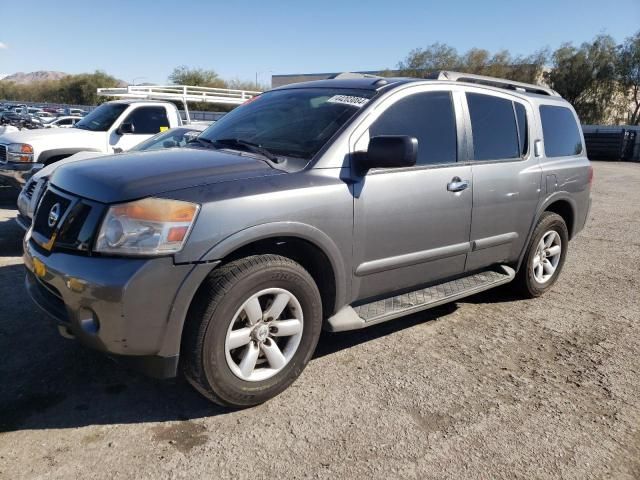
(252, 328)
(545, 256)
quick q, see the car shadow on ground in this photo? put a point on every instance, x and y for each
(51, 382)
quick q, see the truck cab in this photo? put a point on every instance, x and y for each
(112, 127)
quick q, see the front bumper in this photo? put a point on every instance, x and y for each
(130, 308)
(15, 174)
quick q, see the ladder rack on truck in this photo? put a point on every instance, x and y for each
(181, 93)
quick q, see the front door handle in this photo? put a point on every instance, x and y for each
(457, 185)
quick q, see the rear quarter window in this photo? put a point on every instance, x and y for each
(561, 132)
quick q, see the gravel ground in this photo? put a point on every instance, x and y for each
(488, 387)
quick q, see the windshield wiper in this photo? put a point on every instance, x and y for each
(203, 141)
(250, 146)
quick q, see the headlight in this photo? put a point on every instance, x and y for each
(151, 226)
(20, 152)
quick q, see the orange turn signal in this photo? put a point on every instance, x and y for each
(157, 210)
(176, 234)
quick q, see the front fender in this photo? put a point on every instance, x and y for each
(286, 229)
(212, 258)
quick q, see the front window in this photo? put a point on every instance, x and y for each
(294, 122)
(101, 119)
(429, 117)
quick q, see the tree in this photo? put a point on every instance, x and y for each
(197, 77)
(585, 77)
(628, 75)
(82, 89)
(73, 89)
(436, 56)
(502, 64)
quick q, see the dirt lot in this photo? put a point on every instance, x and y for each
(489, 387)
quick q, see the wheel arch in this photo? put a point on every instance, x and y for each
(559, 203)
(264, 237)
(566, 208)
(305, 244)
(53, 155)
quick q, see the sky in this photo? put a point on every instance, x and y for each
(144, 40)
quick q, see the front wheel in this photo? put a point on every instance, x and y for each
(545, 256)
(251, 330)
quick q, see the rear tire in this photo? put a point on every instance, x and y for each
(251, 330)
(545, 256)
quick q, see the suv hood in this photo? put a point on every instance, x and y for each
(129, 176)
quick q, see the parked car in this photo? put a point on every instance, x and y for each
(45, 115)
(77, 111)
(71, 111)
(19, 120)
(116, 125)
(34, 188)
(334, 204)
(61, 122)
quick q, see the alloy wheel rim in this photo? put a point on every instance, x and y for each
(547, 256)
(264, 334)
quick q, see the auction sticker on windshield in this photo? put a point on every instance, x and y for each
(349, 100)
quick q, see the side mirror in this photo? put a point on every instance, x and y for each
(389, 151)
(125, 128)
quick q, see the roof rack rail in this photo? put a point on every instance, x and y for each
(492, 82)
(181, 93)
(348, 75)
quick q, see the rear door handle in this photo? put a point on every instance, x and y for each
(457, 185)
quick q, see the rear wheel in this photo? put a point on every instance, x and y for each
(545, 256)
(251, 330)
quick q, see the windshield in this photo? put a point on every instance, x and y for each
(176, 137)
(101, 119)
(295, 122)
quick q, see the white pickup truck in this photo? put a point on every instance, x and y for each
(112, 127)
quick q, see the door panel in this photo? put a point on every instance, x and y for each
(505, 198)
(506, 177)
(409, 230)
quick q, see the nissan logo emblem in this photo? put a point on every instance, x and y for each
(54, 215)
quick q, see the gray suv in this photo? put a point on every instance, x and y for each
(335, 205)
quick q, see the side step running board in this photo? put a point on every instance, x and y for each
(352, 318)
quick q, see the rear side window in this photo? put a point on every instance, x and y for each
(494, 127)
(561, 132)
(148, 120)
(429, 117)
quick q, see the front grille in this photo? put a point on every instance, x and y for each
(78, 220)
(41, 221)
(71, 234)
(3, 153)
(28, 190)
(41, 187)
